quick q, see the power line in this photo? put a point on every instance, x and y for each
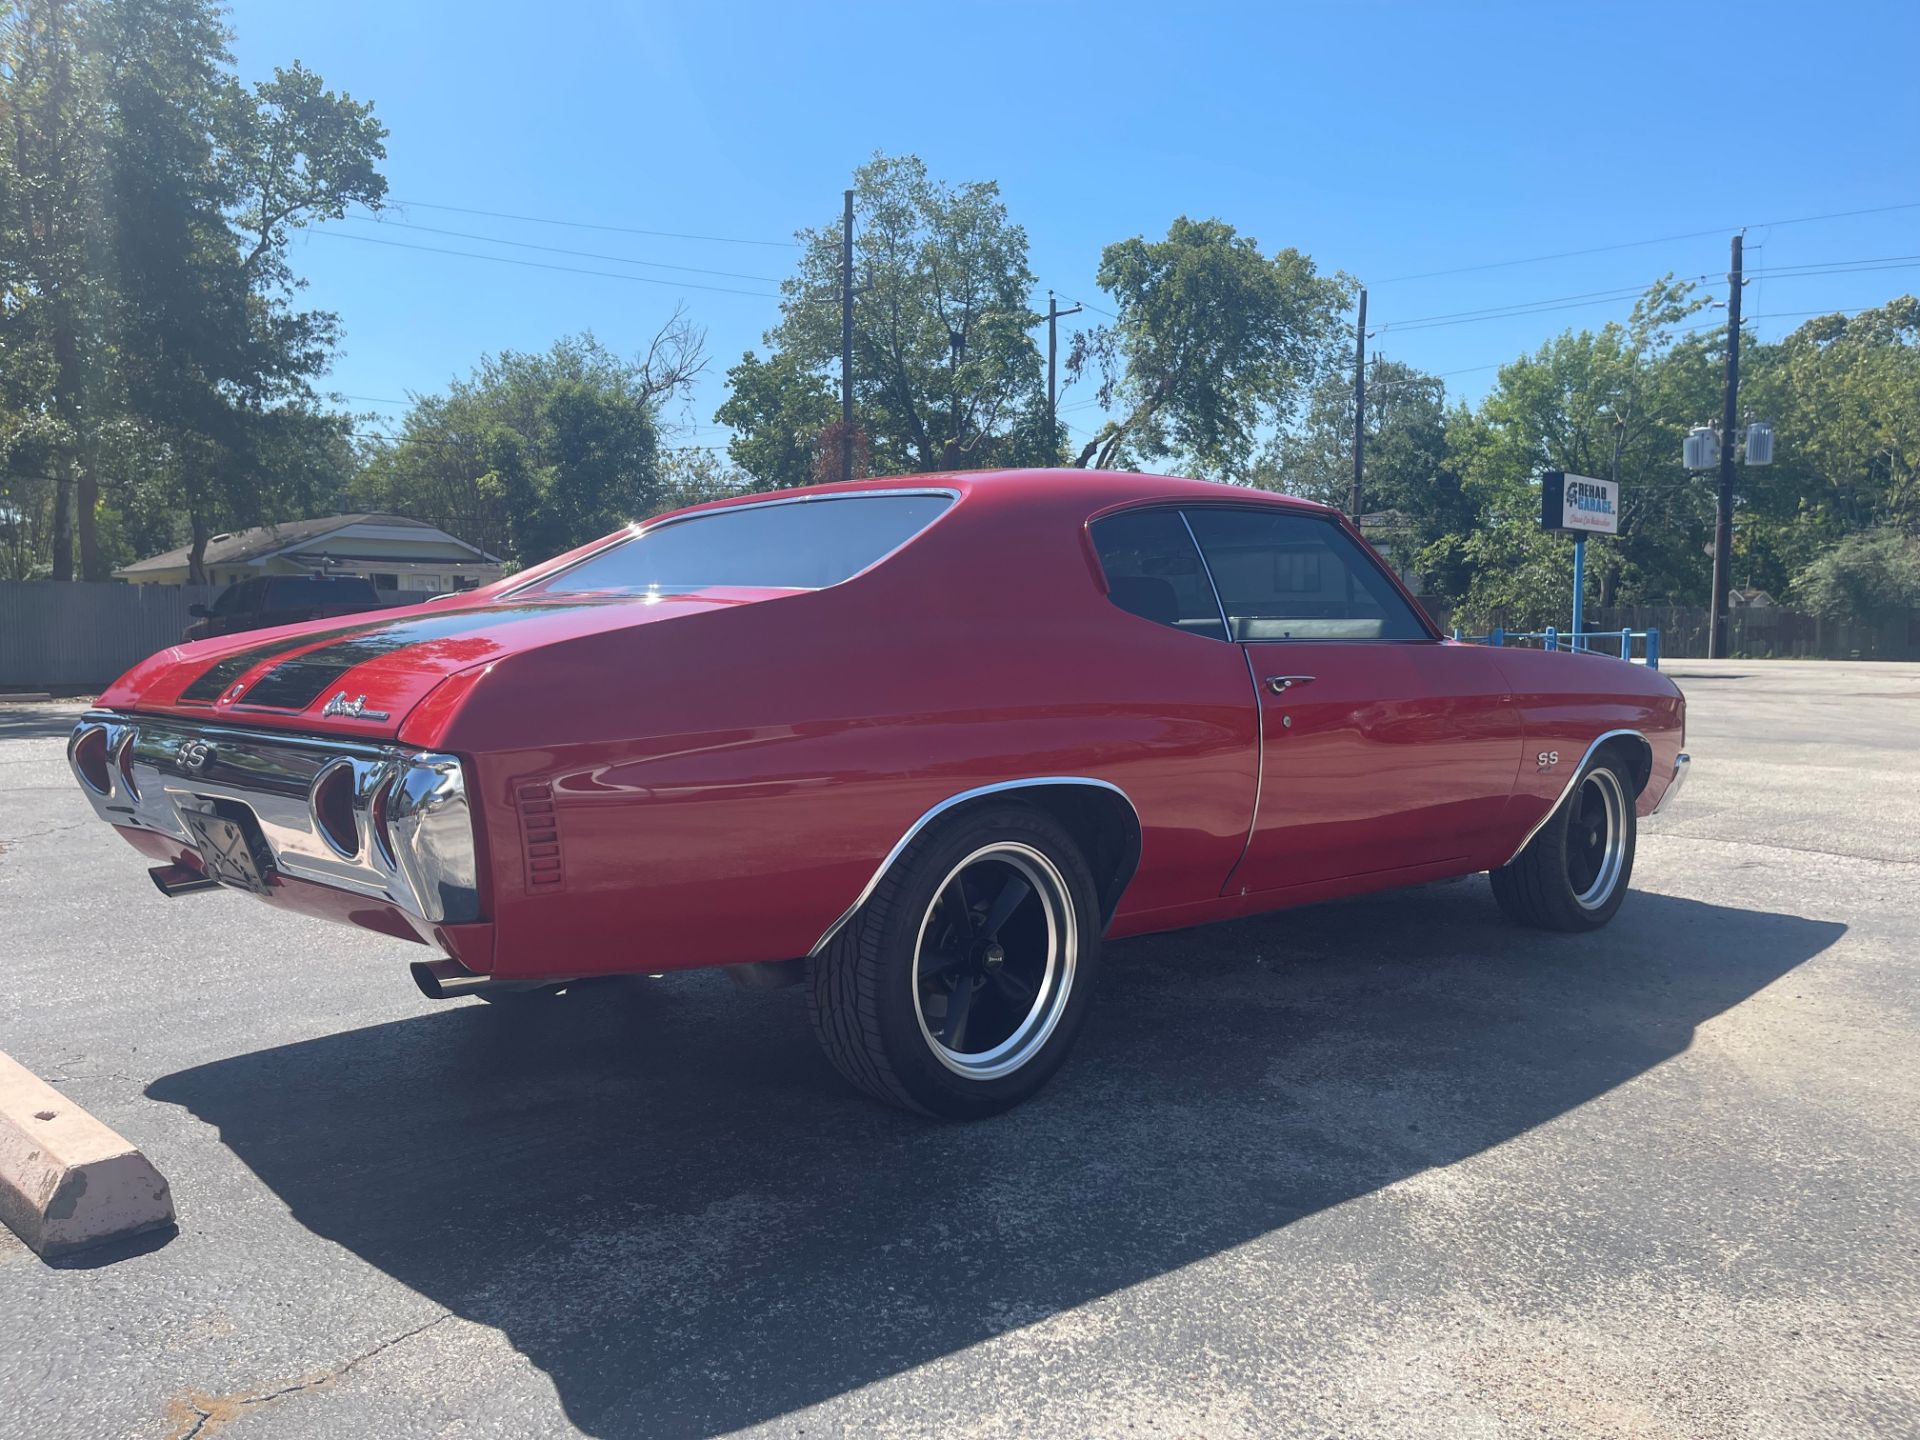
(1525, 307)
(593, 225)
(1840, 267)
(1636, 244)
(559, 250)
(1094, 308)
(1599, 297)
(543, 265)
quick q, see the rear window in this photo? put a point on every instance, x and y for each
(797, 545)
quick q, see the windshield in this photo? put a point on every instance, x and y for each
(798, 545)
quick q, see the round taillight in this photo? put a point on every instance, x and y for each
(332, 805)
(90, 759)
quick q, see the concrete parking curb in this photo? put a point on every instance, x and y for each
(67, 1182)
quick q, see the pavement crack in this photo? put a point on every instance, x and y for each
(198, 1415)
(1792, 849)
(6, 840)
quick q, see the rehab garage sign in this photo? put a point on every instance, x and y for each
(1579, 503)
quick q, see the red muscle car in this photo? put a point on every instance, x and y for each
(921, 743)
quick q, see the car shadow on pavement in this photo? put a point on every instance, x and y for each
(670, 1204)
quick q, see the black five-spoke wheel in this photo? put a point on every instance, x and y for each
(994, 965)
(959, 986)
(1596, 837)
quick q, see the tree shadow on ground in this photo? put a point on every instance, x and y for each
(39, 721)
(673, 1208)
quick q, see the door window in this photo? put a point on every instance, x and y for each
(1284, 575)
(1153, 570)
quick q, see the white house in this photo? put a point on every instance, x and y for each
(392, 551)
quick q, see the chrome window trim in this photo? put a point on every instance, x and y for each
(998, 787)
(1572, 780)
(1206, 568)
(639, 528)
(1259, 764)
(430, 870)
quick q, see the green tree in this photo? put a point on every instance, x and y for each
(49, 179)
(1411, 479)
(535, 454)
(1567, 407)
(149, 201)
(779, 409)
(1844, 398)
(1873, 576)
(1214, 343)
(694, 475)
(945, 374)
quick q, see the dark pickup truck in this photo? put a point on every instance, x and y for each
(266, 600)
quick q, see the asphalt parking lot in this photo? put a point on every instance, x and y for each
(1386, 1168)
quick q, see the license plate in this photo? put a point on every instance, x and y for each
(230, 851)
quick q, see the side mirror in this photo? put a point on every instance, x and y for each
(199, 611)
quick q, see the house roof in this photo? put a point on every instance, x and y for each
(242, 546)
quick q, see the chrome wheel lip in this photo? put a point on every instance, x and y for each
(1613, 854)
(1035, 1028)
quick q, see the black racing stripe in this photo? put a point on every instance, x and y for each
(296, 683)
(212, 682)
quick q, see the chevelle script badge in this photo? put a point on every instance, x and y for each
(354, 709)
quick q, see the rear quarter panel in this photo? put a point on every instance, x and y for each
(722, 786)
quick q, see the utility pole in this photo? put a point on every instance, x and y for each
(846, 339)
(1723, 518)
(1359, 407)
(1054, 313)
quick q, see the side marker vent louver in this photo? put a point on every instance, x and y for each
(539, 836)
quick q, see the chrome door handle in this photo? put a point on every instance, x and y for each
(1280, 684)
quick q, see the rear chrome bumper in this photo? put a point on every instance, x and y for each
(1680, 767)
(412, 837)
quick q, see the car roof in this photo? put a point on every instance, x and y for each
(1090, 490)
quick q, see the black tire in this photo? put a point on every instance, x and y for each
(886, 992)
(1573, 875)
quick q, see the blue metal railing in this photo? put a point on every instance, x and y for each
(1617, 643)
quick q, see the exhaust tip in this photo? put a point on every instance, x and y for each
(172, 880)
(445, 979)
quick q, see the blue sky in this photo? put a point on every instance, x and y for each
(1385, 140)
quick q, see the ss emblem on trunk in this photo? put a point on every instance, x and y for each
(195, 755)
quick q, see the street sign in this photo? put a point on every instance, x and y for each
(1579, 503)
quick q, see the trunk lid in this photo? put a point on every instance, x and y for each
(360, 676)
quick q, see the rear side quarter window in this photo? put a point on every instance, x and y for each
(1153, 570)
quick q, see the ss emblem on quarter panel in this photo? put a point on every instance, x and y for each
(195, 755)
(1548, 759)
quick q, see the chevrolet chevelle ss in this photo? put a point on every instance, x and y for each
(921, 744)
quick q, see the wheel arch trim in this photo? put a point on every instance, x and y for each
(964, 797)
(1574, 779)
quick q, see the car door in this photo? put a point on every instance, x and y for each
(1383, 747)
